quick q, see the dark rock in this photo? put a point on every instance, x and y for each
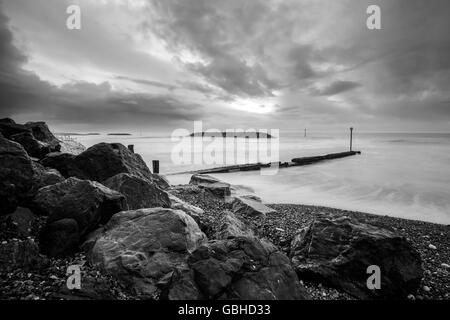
(16, 175)
(45, 176)
(337, 250)
(250, 208)
(232, 227)
(179, 285)
(105, 160)
(101, 162)
(9, 128)
(213, 185)
(244, 268)
(23, 254)
(7, 121)
(88, 203)
(146, 248)
(33, 147)
(60, 238)
(42, 133)
(140, 193)
(63, 162)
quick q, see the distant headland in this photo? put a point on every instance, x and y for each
(119, 134)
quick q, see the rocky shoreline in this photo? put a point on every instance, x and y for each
(134, 236)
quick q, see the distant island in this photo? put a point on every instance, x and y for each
(78, 134)
(119, 134)
(246, 135)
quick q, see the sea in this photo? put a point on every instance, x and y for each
(403, 175)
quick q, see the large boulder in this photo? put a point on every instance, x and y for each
(101, 162)
(213, 185)
(45, 176)
(16, 175)
(8, 128)
(63, 162)
(244, 268)
(147, 250)
(74, 207)
(140, 193)
(34, 147)
(337, 250)
(42, 133)
(250, 207)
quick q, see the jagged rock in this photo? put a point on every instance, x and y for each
(337, 250)
(101, 162)
(145, 249)
(63, 162)
(232, 227)
(195, 212)
(20, 223)
(42, 133)
(34, 147)
(8, 128)
(23, 254)
(16, 175)
(244, 268)
(140, 193)
(250, 208)
(45, 176)
(215, 186)
(7, 121)
(88, 203)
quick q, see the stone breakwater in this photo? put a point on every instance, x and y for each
(137, 237)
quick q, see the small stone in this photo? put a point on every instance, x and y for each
(411, 297)
(426, 288)
(53, 277)
(432, 247)
(4, 242)
(445, 266)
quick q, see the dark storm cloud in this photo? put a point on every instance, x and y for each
(24, 93)
(215, 30)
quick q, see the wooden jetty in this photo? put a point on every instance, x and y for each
(257, 166)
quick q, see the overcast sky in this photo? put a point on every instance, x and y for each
(158, 65)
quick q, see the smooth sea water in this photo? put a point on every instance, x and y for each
(398, 174)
